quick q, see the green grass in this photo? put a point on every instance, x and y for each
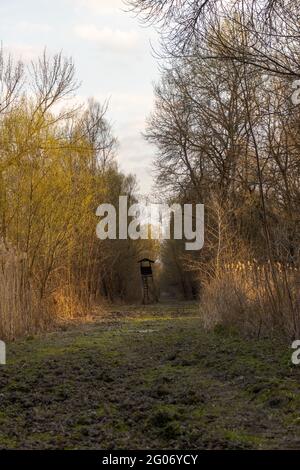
(149, 378)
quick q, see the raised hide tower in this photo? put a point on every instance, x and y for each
(148, 286)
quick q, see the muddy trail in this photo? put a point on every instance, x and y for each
(148, 378)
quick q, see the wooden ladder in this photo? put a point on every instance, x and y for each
(145, 289)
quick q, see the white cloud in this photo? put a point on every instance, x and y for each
(25, 52)
(101, 6)
(27, 26)
(129, 100)
(107, 37)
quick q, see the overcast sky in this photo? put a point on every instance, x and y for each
(112, 55)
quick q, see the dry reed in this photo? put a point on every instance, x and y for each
(258, 299)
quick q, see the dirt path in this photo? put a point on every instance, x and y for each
(152, 380)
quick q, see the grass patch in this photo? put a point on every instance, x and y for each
(154, 379)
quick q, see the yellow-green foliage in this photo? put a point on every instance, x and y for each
(56, 166)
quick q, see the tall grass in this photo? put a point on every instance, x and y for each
(22, 310)
(67, 305)
(257, 299)
(18, 312)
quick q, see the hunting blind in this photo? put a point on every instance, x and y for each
(147, 277)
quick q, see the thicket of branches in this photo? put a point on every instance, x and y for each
(227, 134)
(57, 164)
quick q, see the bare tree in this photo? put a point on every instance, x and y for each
(271, 26)
(11, 80)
